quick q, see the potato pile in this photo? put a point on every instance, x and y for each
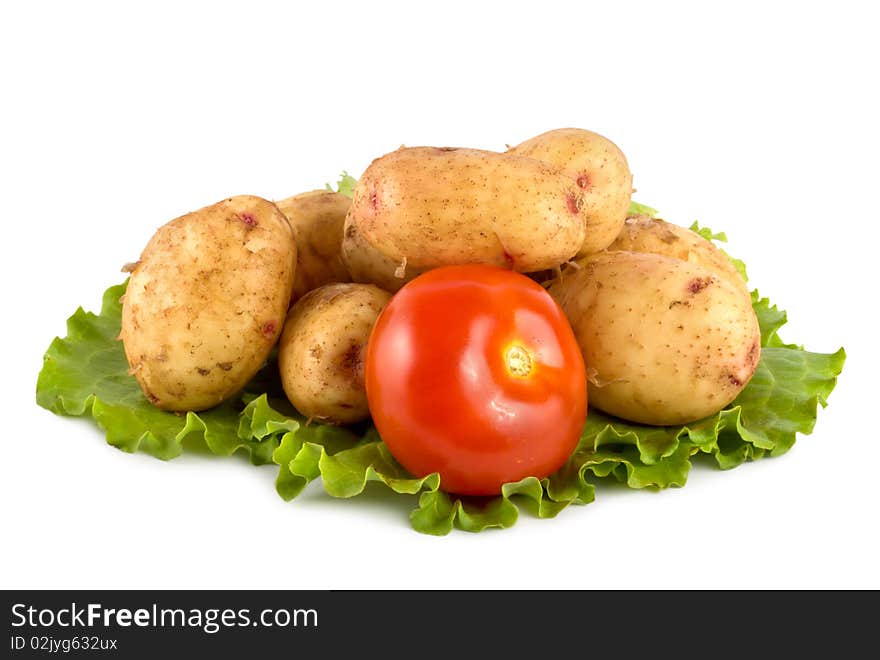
(664, 321)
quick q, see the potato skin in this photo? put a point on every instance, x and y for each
(665, 341)
(322, 350)
(206, 301)
(368, 265)
(642, 233)
(599, 169)
(444, 206)
(317, 218)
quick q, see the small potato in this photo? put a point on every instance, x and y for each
(642, 233)
(665, 341)
(322, 350)
(601, 172)
(206, 301)
(367, 264)
(317, 218)
(424, 207)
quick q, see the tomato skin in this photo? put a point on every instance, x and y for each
(442, 387)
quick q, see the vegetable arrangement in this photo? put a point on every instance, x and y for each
(383, 332)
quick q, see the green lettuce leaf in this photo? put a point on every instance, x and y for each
(86, 374)
(345, 185)
(641, 209)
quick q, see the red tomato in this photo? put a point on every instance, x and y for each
(475, 373)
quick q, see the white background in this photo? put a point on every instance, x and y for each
(760, 120)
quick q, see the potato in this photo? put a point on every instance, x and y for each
(322, 350)
(665, 341)
(206, 301)
(601, 172)
(422, 207)
(642, 233)
(317, 218)
(368, 265)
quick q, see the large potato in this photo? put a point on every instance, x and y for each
(425, 207)
(322, 350)
(665, 341)
(206, 302)
(642, 233)
(317, 219)
(601, 172)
